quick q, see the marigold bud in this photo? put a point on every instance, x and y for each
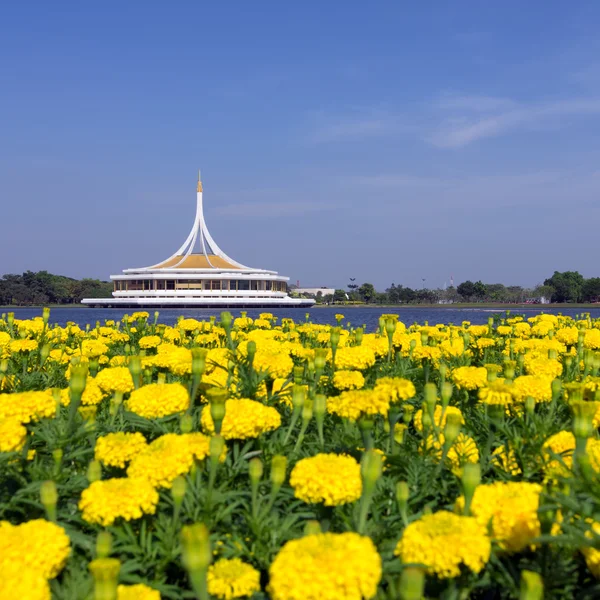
(334, 336)
(135, 367)
(402, 493)
(256, 470)
(312, 528)
(94, 471)
(178, 490)
(371, 467)
(471, 478)
(186, 423)
(278, 469)
(216, 448)
(226, 320)
(529, 405)
(583, 415)
(49, 498)
(532, 586)
(320, 358)
(452, 429)
(103, 544)
(358, 335)
(298, 375)
(78, 380)
(298, 396)
(196, 547)
(446, 393)
(198, 361)
(412, 584)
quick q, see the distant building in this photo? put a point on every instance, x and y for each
(206, 278)
(315, 291)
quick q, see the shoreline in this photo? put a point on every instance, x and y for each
(458, 305)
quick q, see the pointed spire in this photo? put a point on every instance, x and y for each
(199, 181)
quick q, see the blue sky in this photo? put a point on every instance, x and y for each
(388, 141)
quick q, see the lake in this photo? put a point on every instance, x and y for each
(357, 316)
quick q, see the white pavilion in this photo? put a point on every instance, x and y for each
(202, 278)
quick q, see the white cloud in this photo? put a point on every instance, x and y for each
(460, 130)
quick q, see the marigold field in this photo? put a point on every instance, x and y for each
(240, 458)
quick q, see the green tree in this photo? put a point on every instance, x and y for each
(479, 290)
(339, 296)
(567, 285)
(466, 290)
(591, 290)
(367, 292)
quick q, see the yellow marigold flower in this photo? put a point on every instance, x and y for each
(139, 591)
(469, 378)
(140, 314)
(440, 416)
(443, 542)
(4, 339)
(115, 379)
(19, 580)
(332, 479)
(12, 435)
(149, 341)
(485, 342)
(506, 461)
(326, 566)
(163, 460)
(116, 449)
(563, 444)
(398, 388)
(27, 406)
(276, 364)
(352, 358)
(510, 510)
(496, 392)
(543, 367)
(105, 501)
(173, 358)
(463, 450)
(93, 348)
(591, 339)
(92, 394)
(432, 353)
(232, 578)
(478, 330)
(262, 324)
(157, 400)
(38, 544)
(118, 361)
(354, 403)
(199, 446)
(169, 456)
(23, 346)
(592, 555)
(539, 388)
(244, 419)
(348, 380)
(567, 335)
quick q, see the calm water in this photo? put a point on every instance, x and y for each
(356, 316)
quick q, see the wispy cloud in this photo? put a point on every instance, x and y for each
(271, 209)
(501, 117)
(357, 125)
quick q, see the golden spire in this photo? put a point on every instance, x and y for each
(199, 181)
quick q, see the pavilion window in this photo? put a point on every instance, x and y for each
(243, 284)
(225, 284)
(269, 285)
(160, 284)
(170, 284)
(254, 285)
(215, 284)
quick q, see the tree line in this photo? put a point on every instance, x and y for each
(562, 287)
(45, 288)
